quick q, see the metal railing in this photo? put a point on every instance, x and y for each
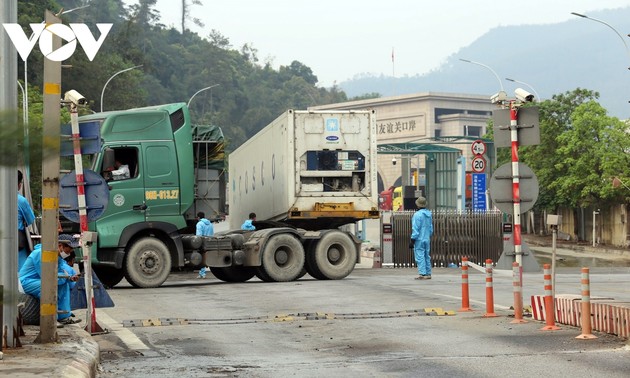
(476, 235)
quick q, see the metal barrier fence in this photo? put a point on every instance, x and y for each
(476, 235)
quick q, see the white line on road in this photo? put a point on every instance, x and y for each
(126, 336)
(473, 301)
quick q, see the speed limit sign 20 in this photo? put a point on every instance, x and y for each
(478, 164)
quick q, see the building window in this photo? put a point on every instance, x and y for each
(474, 131)
(438, 133)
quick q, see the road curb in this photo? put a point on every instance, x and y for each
(84, 359)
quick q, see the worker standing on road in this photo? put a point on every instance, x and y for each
(204, 226)
(421, 231)
(247, 225)
(31, 277)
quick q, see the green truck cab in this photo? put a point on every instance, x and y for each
(153, 208)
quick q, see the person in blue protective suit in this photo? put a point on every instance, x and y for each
(421, 231)
(26, 217)
(68, 268)
(204, 226)
(248, 224)
(31, 277)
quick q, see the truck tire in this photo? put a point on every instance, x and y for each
(147, 263)
(30, 310)
(309, 264)
(262, 275)
(303, 272)
(109, 276)
(283, 258)
(333, 257)
(233, 273)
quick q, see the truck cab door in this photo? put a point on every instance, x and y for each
(126, 197)
(161, 180)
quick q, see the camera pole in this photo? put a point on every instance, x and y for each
(516, 195)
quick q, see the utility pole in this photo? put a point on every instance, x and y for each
(50, 192)
(8, 181)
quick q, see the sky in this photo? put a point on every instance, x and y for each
(339, 39)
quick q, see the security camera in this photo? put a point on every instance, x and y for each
(498, 98)
(74, 97)
(523, 95)
(394, 160)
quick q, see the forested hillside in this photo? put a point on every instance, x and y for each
(247, 94)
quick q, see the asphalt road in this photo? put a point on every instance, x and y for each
(374, 323)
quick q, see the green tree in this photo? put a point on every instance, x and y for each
(590, 152)
(186, 14)
(544, 159)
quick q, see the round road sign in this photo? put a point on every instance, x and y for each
(478, 164)
(501, 188)
(96, 196)
(478, 147)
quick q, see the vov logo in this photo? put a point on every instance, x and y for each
(44, 34)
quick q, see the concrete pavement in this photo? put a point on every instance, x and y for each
(77, 354)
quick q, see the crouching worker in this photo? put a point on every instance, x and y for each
(31, 277)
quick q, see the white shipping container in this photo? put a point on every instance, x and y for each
(304, 158)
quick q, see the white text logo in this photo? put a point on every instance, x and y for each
(44, 33)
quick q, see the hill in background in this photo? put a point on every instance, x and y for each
(552, 58)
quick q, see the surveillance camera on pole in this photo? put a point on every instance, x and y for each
(523, 96)
(499, 98)
(75, 98)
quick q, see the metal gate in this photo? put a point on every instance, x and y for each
(476, 235)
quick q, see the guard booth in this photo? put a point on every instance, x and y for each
(444, 167)
(474, 234)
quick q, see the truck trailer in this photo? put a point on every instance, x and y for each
(320, 174)
(305, 175)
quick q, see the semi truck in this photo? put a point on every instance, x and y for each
(304, 175)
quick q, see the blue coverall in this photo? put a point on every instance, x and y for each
(421, 231)
(25, 216)
(247, 225)
(204, 228)
(31, 280)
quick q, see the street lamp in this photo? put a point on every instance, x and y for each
(199, 91)
(488, 67)
(607, 24)
(114, 75)
(524, 83)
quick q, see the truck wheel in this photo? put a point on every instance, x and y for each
(310, 265)
(333, 257)
(30, 310)
(283, 258)
(109, 276)
(233, 273)
(302, 273)
(147, 263)
(262, 275)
